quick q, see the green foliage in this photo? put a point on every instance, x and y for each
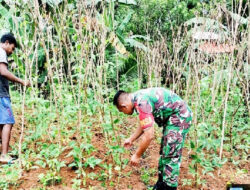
(9, 175)
(52, 3)
(92, 162)
(187, 182)
(49, 179)
(166, 14)
(77, 57)
(147, 174)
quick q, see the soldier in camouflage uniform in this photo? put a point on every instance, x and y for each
(169, 111)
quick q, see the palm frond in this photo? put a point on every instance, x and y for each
(238, 18)
(134, 43)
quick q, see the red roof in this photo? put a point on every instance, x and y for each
(213, 47)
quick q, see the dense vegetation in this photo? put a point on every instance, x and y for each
(77, 53)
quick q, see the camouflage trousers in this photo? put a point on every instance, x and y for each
(174, 134)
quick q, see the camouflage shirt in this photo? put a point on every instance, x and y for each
(157, 105)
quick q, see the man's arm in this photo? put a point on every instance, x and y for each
(138, 132)
(146, 140)
(8, 75)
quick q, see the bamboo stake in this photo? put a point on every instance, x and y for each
(225, 111)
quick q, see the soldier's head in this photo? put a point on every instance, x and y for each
(123, 102)
(8, 43)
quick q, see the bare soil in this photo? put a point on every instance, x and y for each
(228, 173)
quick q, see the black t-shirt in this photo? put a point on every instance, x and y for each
(4, 83)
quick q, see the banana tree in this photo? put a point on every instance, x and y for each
(121, 41)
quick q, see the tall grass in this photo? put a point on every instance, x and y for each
(78, 75)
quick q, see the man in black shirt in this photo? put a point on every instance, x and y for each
(7, 47)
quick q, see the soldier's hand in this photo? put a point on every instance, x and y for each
(128, 143)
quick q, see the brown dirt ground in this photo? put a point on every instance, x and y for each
(228, 173)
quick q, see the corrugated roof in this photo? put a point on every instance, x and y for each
(205, 36)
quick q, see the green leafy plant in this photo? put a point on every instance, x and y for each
(92, 162)
(50, 179)
(147, 174)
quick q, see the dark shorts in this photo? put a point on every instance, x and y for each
(6, 113)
